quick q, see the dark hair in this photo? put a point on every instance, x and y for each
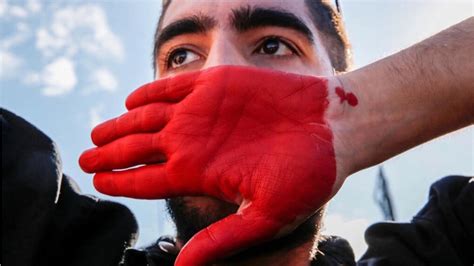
(325, 18)
(329, 23)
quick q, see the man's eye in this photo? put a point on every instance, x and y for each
(275, 46)
(181, 57)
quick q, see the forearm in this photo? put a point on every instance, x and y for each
(408, 98)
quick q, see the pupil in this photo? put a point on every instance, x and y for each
(179, 57)
(271, 46)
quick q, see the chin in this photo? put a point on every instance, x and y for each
(192, 214)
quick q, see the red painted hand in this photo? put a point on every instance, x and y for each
(253, 137)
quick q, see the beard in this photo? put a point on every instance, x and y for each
(192, 214)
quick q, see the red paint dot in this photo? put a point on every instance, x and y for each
(349, 97)
(341, 93)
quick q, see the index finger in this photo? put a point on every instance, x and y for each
(172, 89)
(144, 119)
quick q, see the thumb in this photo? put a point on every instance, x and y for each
(228, 236)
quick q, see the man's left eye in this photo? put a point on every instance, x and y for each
(275, 46)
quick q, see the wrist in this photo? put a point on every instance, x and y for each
(343, 100)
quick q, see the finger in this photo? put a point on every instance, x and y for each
(123, 153)
(228, 236)
(145, 119)
(171, 89)
(146, 182)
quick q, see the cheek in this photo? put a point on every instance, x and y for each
(317, 68)
(297, 66)
(293, 65)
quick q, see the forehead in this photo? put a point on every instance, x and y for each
(221, 10)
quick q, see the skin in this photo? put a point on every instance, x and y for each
(432, 81)
(422, 81)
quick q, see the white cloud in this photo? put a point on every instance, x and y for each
(33, 6)
(105, 80)
(9, 64)
(79, 29)
(21, 34)
(57, 78)
(3, 7)
(47, 43)
(18, 11)
(71, 39)
(351, 229)
(95, 116)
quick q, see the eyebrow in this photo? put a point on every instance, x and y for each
(242, 19)
(187, 25)
(248, 18)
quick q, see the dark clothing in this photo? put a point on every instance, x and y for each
(46, 221)
(336, 250)
(442, 233)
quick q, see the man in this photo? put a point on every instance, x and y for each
(186, 117)
(299, 51)
(272, 35)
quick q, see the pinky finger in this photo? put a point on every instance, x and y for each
(145, 182)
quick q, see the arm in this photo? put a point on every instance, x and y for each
(406, 99)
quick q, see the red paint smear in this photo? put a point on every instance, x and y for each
(349, 97)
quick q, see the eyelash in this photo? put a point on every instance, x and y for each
(280, 39)
(165, 60)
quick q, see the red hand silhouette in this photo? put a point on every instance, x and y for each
(253, 137)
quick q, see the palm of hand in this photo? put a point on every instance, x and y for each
(254, 140)
(245, 140)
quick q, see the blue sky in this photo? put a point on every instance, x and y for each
(67, 65)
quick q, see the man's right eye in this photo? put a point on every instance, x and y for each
(181, 57)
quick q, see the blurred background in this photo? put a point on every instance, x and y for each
(66, 66)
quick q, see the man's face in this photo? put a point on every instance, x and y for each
(270, 34)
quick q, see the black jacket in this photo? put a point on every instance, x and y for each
(45, 218)
(442, 233)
